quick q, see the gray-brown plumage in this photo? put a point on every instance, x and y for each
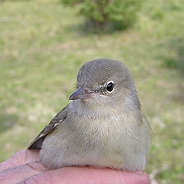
(103, 125)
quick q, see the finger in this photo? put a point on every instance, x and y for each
(81, 175)
(21, 172)
(20, 158)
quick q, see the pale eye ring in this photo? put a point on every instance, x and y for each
(110, 86)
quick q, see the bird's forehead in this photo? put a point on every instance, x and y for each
(99, 71)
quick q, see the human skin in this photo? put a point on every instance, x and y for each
(24, 167)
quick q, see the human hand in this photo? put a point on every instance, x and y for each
(24, 167)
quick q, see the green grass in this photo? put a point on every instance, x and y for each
(42, 46)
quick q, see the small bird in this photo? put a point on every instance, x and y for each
(102, 126)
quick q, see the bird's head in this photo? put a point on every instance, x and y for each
(105, 81)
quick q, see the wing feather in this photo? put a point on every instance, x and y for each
(58, 119)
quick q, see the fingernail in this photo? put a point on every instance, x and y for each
(138, 172)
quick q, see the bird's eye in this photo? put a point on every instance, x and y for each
(110, 86)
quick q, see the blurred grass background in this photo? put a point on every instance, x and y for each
(42, 47)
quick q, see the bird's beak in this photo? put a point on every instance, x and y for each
(81, 94)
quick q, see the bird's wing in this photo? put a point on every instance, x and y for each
(59, 118)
